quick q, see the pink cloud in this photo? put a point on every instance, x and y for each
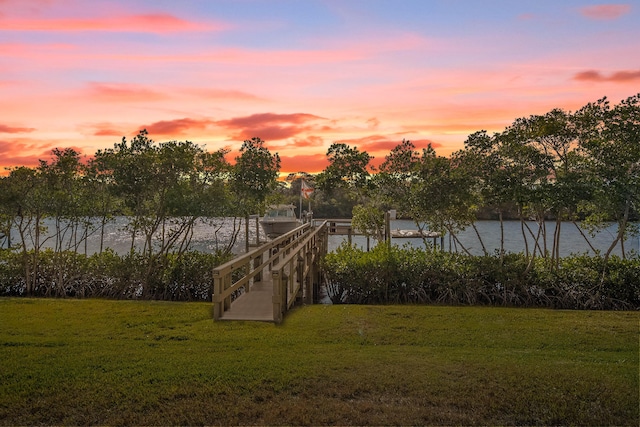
(597, 76)
(177, 127)
(270, 133)
(13, 129)
(377, 144)
(268, 119)
(128, 92)
(269, 126)
(165, 128)
(605, 11)
(143, 23)
(120, 92)
(223, 94)
(373, 122)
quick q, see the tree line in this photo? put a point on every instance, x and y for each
(161, 189)
(582, 166)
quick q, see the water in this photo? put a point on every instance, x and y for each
(571, 241)
(208, 236)
(213, 234)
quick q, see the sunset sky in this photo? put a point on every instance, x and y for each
(301, 74)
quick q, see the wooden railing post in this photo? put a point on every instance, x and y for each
(218, 307)
(300, 277)
(278, 296)
(226, 284)
(308, 280)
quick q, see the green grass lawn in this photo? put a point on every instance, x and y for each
(123, 362)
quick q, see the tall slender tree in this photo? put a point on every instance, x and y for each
(254, 175)
(350, 170)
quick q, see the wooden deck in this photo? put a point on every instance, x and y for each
(253, 305)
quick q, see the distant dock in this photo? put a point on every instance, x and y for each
(345, 228)
(397, 233)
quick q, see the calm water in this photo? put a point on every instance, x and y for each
(209, 236)
(571, 241)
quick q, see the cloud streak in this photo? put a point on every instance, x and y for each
(23, 152)
(616, 77)
(605, 12)
(159, 23)
(14, 129)
(177, 127)
(383, 144)
(269, 126)
(123, 92)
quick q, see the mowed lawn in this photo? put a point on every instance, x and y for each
(158, 363)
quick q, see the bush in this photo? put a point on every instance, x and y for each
(388, 275)
(187, 277)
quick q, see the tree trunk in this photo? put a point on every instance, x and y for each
(484, 249)
(586, 239)
(501, 238)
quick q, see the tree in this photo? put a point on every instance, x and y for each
(484, 156)
(103, 203)
(398, 180)
(254, 176)
(165, 189)
(442, 196)
(349, 170)
(557, 164)
(611, 139)
(397, 175)
(25, 200)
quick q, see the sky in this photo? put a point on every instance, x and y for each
(301, 74)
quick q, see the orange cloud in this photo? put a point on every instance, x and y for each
(311, 163)
(143, 23)
(103, 129)
(23, 153)
(618, 76)
(383, 144)
(379, 146)
(605, 11)
(13, 129)
(309, 141)
(424, 143)
(376, 144)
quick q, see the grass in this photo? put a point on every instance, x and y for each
(158, 363)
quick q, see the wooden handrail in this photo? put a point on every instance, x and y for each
(286, 286)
